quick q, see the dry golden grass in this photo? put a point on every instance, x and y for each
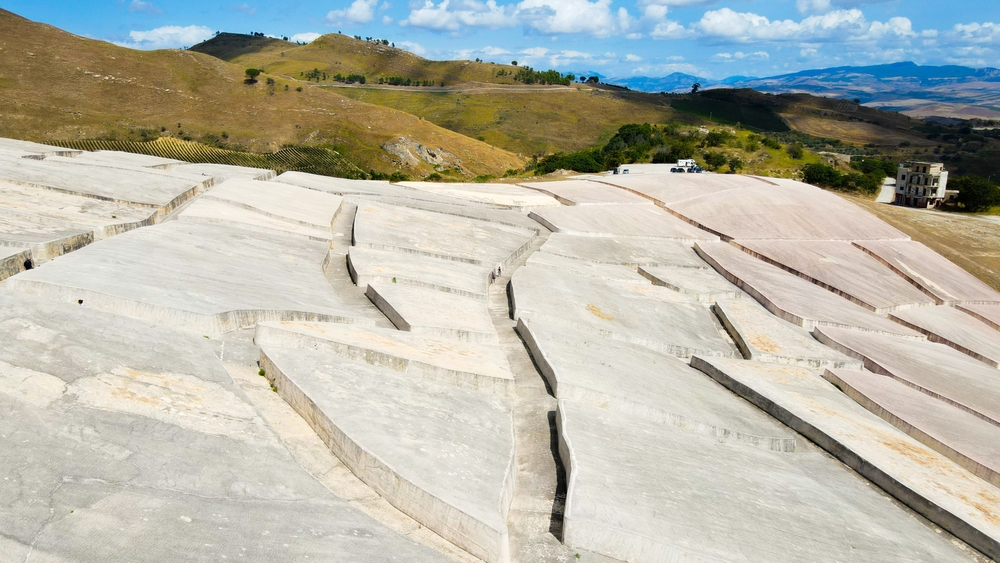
(54, 85)
(853, 132)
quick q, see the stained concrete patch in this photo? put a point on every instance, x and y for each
(386, 227)
(584, 192)
(791, 297)
(464, 364)
(225, 171)
(639, 313)
(989, 314)
(961, 437)
(642, 491)
(930, 271)
(844, 269)
(204, 278)
(956, 329)
(764, 337)
(611, 272)
(623, 252)
(216, 212)
(921, 478)
(443, 455)
(935, 369)
(281, 201)
(506, 195)
(434, 313)
(368, 265)
(703, 285)
(637, 381)
(619, 221)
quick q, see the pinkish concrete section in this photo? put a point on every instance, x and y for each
(843, 269)
(989, 314)
(628, 221)
(930, 271)
(667, 189)
(934, 369)
(952, 327)
(961, 437)
(585, 192)
(791, 297)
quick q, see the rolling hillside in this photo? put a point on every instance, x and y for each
(58, 86)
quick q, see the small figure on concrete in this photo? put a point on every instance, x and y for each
(498, 271)
(493, 277)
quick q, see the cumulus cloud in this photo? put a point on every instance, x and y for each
(550, 17)
(739, 56)
(537, 56)
(244, 8)
(360, 11)
(168, 37)
(144, 7)
(306, 37)
(839, 25)
(415, 48)
(632, 58)
(447, 16)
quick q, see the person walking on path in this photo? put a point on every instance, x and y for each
(493, 277)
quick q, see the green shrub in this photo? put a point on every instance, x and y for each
(976, 193)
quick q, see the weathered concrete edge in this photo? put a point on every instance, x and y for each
(922, 505)
(399, 322)
(976, 315)
(365, 279)
(934, 337)
(476, 537)
(709, 296)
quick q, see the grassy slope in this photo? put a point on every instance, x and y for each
(54, 85)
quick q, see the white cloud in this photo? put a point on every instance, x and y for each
(836, 26)
(976, 33)
(144, 7)
(538, 56)
(415, 48)
(168, 37)
(632, 58)
(739, 56)
(550, 17)
(360, 11)
(244, 8)
(439, 17)
(306, 37)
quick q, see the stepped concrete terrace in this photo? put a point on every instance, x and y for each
(217, 212)
(623, 252)
(206, 278)
(15, 145)
(118, 158)
(842, 268)
(989, 314)
(791, 297)
(290, 203)
(585, 192)
(463, 364)
(124, 439)
(618, 221)
(677, 188)
(764, 337)
(702, 284)
(934, 369)
(961, 437)
(956, 329)
(368, 265)
(433, 313)
(611, 272)
(225, 171)
(930, 271)
(441, 454)
(502, 195)
(926, 481)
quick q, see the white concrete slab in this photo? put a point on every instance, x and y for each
(961, 437)
(209, 211)
(640, 382)
(930, 271)
(457, 208)
(50, 208)
(368, 265)
(842, 268)
(225, 171)
(929, 483)
(433, 313)
(443, 455)
(989, 314)
(127, 158)
(703, 285)
(791, 297)
(673, 188)
(935, 369)
(619, 221)
(36, 148)
(638, 313)
(584, 192)
(954, 328)
(295, 204)
(507, 195)
(611, 272)
(463, 364)
(642, 491)
(624, 252)
(204, 278)
(13, 261)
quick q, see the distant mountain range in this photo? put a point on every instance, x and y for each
(920, 91)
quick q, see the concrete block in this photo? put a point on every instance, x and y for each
(670, 189)
(45, 241)
(930, 271)
(764, 337)
(290, 203)
(961, 437)
(989, 314)
(204, 278)
(35, 148)
(610, 272)
(640, 382)
(619, 221)
(463, 364)
(432, 313)
(112, 158)
(642, 491)
(934, 369)
(926, 481)
(205, 210)
(12, 261)
(506, 195)
(842, 268)
(443, 455)
(638, 313)
(623, 252)
(457, 208)
(386, 227)
(791, 297)
(703, 285)
(584, 192)
(956, 329)
(225, 171)
(368, 265)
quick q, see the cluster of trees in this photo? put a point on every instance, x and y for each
(349, 79)
(401, 81)
(866, 176)
(313, 74)
(975, 193)
(374, 40)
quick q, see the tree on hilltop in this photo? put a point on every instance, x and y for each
(695, 87)
(252, 74)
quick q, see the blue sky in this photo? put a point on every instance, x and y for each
(710, 38)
